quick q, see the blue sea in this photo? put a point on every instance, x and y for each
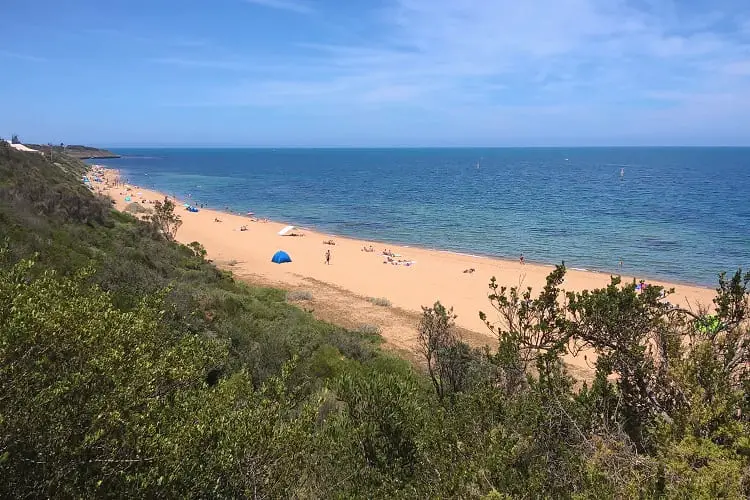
(674, 213)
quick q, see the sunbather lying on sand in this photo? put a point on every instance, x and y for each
(399, 262)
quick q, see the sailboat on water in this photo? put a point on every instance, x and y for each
(622, 173)
(479, 163)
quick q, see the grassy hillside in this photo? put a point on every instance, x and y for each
(131, 367)
(75, 151)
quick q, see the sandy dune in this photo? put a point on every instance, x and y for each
(434, 275)
(21, 147)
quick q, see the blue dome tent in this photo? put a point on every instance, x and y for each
(280, 257)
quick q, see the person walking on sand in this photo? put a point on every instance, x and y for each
(328, 256)
(522, 260)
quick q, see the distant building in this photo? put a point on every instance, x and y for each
(20, 147)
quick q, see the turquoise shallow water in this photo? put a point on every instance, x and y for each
(678, 213)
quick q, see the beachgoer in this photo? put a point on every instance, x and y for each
(522, 260)
(620, 263)
(328, 257)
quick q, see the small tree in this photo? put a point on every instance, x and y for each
(165, 219)
(448, 358)
(198, 250)
(15, 139)
(532, 332)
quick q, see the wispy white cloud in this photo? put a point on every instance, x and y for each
(484, 59)
(291, 5)
(20, 56)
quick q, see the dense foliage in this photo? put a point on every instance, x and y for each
(130, 366)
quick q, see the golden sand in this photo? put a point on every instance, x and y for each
(432, 275)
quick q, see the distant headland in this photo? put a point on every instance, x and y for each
(76, 151)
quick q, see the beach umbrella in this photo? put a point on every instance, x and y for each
(280, 257)
(127, 198)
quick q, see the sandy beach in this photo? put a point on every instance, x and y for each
(431, 274)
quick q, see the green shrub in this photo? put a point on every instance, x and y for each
(369, 329)
(298, 295)
(380, 301)
(137, 208)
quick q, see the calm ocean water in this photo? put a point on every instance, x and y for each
(677, 213)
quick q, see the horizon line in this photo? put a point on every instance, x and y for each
(236, 146)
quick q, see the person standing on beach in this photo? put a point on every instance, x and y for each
(522, 260)
(328, 256)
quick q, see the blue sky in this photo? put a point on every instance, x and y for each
(371, 73)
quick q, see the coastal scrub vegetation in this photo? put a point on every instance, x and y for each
(165, 219)
(132, 367)
(136, 208)
(299, 295)
(380, 301)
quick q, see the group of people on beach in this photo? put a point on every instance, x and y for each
(390, 257)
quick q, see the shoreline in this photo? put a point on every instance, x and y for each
(412, 278)
(417, 246)
(464, 253)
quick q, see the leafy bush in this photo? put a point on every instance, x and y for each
(199, 250)
(380, 301)
(369, 329)
(137, 208)
(296, 295)
(164, 218)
